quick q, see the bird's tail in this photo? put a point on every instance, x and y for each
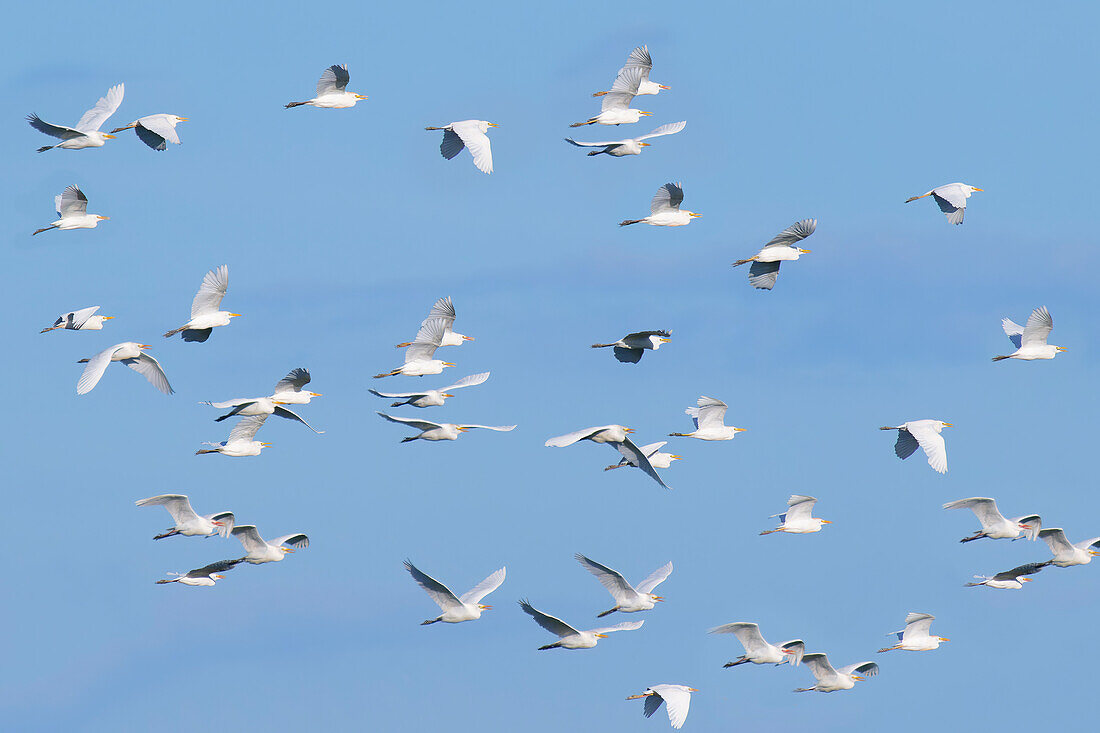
(167, 533)
(202, 451)
(161, 582)
(288, 105)
(740, 660)
(597, 152)
(399, 404)
(555, 645)
(43, 229)
(741, 262)
(607, 613)
(971, 585)
(582, 124)
(408, 440)
(44, 148)
(971, 538)
(887, 427)
(173, 332)
(601, 346)
(388, 374)
(430, 621)
(628, 222)
(888, 649)
(803, 689)
(769, 531)
(999, 358)
(617, 465)
(678, 435)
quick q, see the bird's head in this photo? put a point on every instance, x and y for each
(101, 218)
(108, 136)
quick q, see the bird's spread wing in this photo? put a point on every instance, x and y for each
(627, 355)
(819, 666)
(652, 448)
(294, 381)
(647, 334)
(637, 458)
(92, 373)
(1013, 330)
(439, 593)
(395, 395)
(984, 509)
(801, 508)
(471, 381)
(906, 444)
(668, 198)
(677, 702)
(794, 233)
(554, 625)
(953, 194)
(594, 145)
(250, 538)
(452, 144)
(625, 626)
(639, 57)
(211, 292)
(498, 428)
(160, 125)
(215, 567)
(427, 340)
(333, 80)
(227, 519)
(652, 705)
(1056, 540)
(246, 428)
(868, 669)
(747, 633)
(72, 202)
(149, 367)
(1038, 327)
(669, 129)
(655, 578)
(933, 444)
(570, 438)
(291, 415)
(478, 143)
(1029, 569)
(610, 579)
(76, 319)
(710, 413)
(91, 120)
(420, 425)
(762, 275)
(152, 139)
(797, 647)
(623, 90)
(954, 212)
(484, 588)
(443, 308)
(58, 131)
(918, 624)
(176, 504)
(296, 540)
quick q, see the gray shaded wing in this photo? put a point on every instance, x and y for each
(294, 381)
(484, 588)
(918, 623)
(905, 445)
(213, 568)
(154, 140)
(160, 126)
(438, 592)
(247, 427)
(333, 80)
(571, 141)
(623, 90)
(669, 129)
(954, 212)
(148, 367)
(471, 381)
(1029, 569)
(554, 625)
(498, 428)
(209, 298)
(177, 505)
(625, 626)
(668, 198)
(1039, 325)
(420, 425)
(869, 669)
(561, 441)
(1056, 540)
(635, 456)
(794, 233)
(628, 356)
(91, 120)
(291, 415)
(1013, 330)
(933, 444)
(818, 665)
(639, 57)
(427, 340)
(452, 144)
(652, 705)
(655, 578)
(612, 580)
(71, 202)
(762, 275)
(443, 308)
(76, 319)
(801, 507)
(58, 131)
(250, 538)
(296, 540)
(92, 373)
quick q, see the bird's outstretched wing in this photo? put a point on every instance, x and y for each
(294, 381)
(947, 203)
(498, 428)
(1039, 325)
(484, 588)
(655, 578)
(420, 425)
(668, 198)
(1029, 569)
(94, 118)
(554, 625)
(211, 292)
(819, 666)
(228, 521)
(669, 129)
(246, 428)
(147, 366)
(452, 144)
(334, 80)
(443, 308)
(905, 445)
(478, 143)
(153, 139)
(438, 592)
(612, 580)
(636, 457)
(58, 131)
(639, 57)
(161, 126)
(1014, 331)
(801, 508)
(746, 632)
(918, 624)
(868, 669)
(628, 355)
(471, 381)
(177, 505)
(291, 415)
(763, 275)
(625, 626)
(427, 340)
(794, 233)
(933, 445)
(623, 90)
(1056, 540)
(215, 567)
(571, 141)
(71, 202)
(250, 538)
(75, 319)
(677, 702)
(92, 373)
(710, 412)
(984, 508)
(652, 705)
(296, 540)
(561, 441)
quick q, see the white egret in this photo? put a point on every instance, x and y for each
(924, 434)
(443, 309)
(616, 437)
(1066, 554)
(664, 208)
(1031, 340)
(332, 90)
(798, 518)
(420, 354)
(71, 206)
(630, 348)
(440, 430)
(260, 551)
(708, 418)
(241, 441)
(568, 637)
(81, 320)
(188, 523)
(205, 575)
(156, 131)
(1013, 579)
(288, 390)
(765, 264)
(915, 637)
(677, 699)
(85, 133)
(951, 198)
(994, 525)
(628, 599)
(456, 609)
(830, 679)
(630, 146)
(206, 313)
(468, 134)
(657, 458)
(132, 355)
(249, 406)
(615, 106)
(431, 397)
(757, 650)
(639, 58)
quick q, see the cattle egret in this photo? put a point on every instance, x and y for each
(994, 525)
(759, 651)
(468, 134)
(85, 134)
(132, 355)
(568, 637)
(951, 199)
(630, 348)
(443, 309)
(1066, 554)
(628, 599)
(639, 58)
(765, 264)
(156, 131)
(241, 439)
(188, 523)
(924, 434)
(630, 146)
(615, 106)
(657, 458)
(1013, 579)
(708, 418)
(915, 637)
(676, 698)
(616, 437)
(71, 206)
(288, 390)
(206, 575)
(1031, 340)
(797, 519)
(332, 90)
(260, 551)
(420, 354)
(664, 209)
(440, 431)
(206, 311)
(81, 320)
(456, 609)
(431, 397)
(830, 679)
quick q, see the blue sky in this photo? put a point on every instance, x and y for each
(340, 228)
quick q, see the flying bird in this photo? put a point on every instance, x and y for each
(630, 146)
(951, 199)
(288, 390)
(241, 441)
(664, 208)
(1066, 554)
(708, 418)
(616, 437)
(994, 525)
(431, 397)
(440, 430)
(759, 651)
(915, 637)
(456, 609)
(639, 58)
(206, 311)
(630, 348)
(443, 309)
(657, 458)
(830, 679)
(71, 206)
(924, 434)
(260, 551)
(677, 699)
(1013, 579)
(132, 355)
(187, 522)
(81, 320)
(568, 637)
(615, 106)
(628, 599)
(468, 134)
(156, 131)
(205, 575)
(798, 518)
(332, 90)
(420, 354)
(1031, 340)
(85, 134)
(781, 248)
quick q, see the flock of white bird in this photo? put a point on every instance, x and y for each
(437, 330)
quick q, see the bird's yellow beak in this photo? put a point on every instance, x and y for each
(144, 346)
(694, 215)
(218, 577)
(645, 114)
(360, 96)
(600, 636)
(1024, 580)
(445, 394)
(235, 315)
(448, 364)
(467, 338)
(662, 86)
(181, 119)
(644, 145)
(107, 318)
(103, 218)
(314, 394)
(1093, 553)
(857, 677)
(109, 137)
(943, 638)
(693, 689)
(279, 402)
(628, 430)
(949, 425)
(978, 189)
(739, 430)
(804, 251)
(664, 340)
(492, 124)
(675, 457)
(265, 445)
(484, 608)
(658, 598)
(1060, 348)
(826, 521)
(461, 429)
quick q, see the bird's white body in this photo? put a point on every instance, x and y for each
(206, 310)
(951, 198)
(456, 609)
(832, 680)
(924, 434)
(79, 221)
(332, 90)
(631, 146)
(639, 60)
(420, 353)
(664, 208)
(708, 417)
(85, 133)
(431, 397)
(764, 270)
(1031, 340)
(1067, 554)
(1013, 579)
(72, 209)
(994, 525)
(759, 651)
(241, 441)
(628, 599)
(79, 320)
(676, 698)
(130, 353)
(260, 551)
(569, 637)
(798, 518)
(440, 431)
(617, 116)
(187, 522)
(207, 581)
(916, 637)
(471, 134)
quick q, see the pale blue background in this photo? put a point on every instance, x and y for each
(341, 227)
